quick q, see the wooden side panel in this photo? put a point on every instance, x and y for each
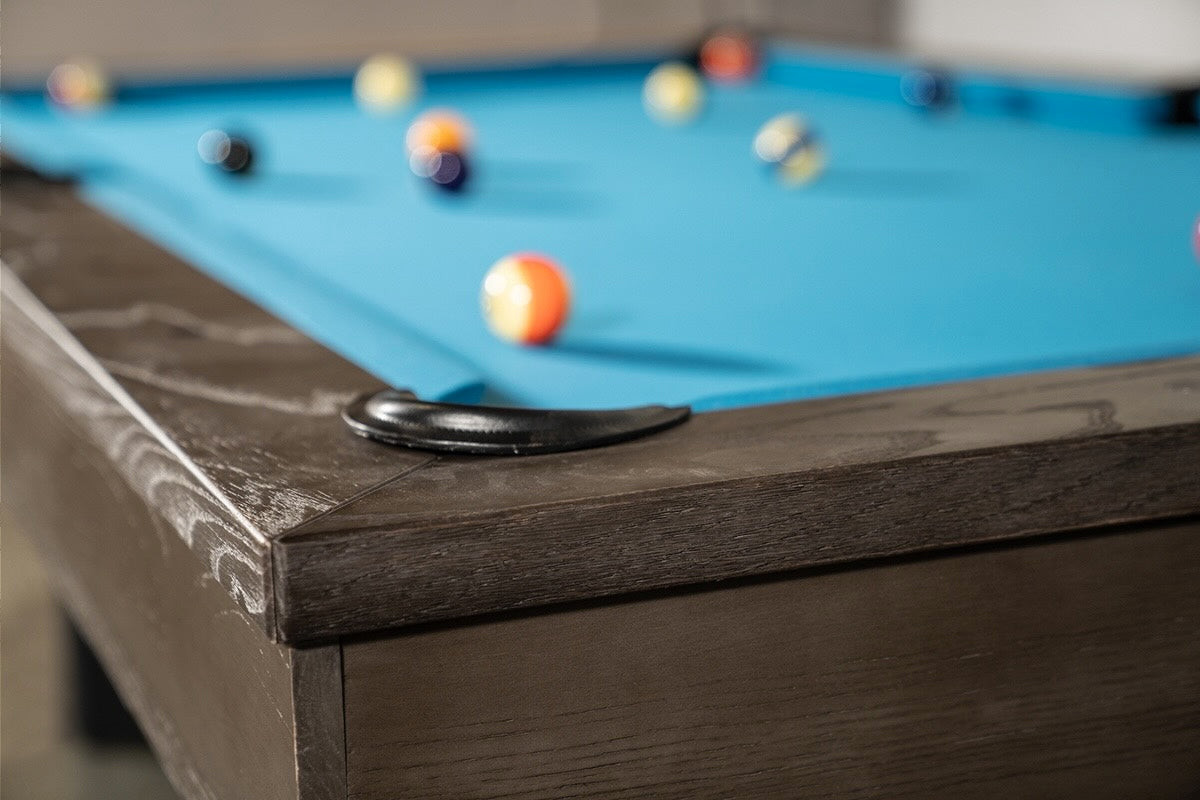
(1065, 668)
(213, 695)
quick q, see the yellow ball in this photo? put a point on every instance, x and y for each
(803, 166)
(788, 143)
(79, 85)
(386, 83)
(673, 93)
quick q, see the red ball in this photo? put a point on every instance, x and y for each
(1196, 238)
(729, 57)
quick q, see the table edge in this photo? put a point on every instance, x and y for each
(390, 558)
(730, 494)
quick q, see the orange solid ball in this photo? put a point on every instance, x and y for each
(729, 57)
(442, 130)
(525, 298)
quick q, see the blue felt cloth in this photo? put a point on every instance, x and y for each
(934, 248)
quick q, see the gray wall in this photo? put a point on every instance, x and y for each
(179, 37)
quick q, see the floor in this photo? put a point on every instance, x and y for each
(40, 759)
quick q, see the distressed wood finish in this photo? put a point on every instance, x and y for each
(319, 722)
(228, 713)
(1065, 668)
(215, 413)
(754, 491)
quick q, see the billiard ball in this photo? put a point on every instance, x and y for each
(789, 145)
(673, 93)
(728, 57)
(386, 83)
(228, 152)
(927, 89)
(1196, 238)
(442, 169)
(525, 298)
(80, 85)
(442, 130)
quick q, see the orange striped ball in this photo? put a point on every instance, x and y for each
(525, 298)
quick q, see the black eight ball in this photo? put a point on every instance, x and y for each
(231, 153)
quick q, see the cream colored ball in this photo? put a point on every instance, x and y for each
(386, 83)
(673, 93)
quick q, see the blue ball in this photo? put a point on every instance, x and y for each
(449, 171)
(927, 89)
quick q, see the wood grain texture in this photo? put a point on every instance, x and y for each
(232, 551)
(217, 414)
(754, 491)
(1066, 668)
(319, 722)
(217, 701)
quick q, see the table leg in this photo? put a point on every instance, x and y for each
(96, 712)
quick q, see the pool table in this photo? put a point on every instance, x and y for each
(923, 518)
